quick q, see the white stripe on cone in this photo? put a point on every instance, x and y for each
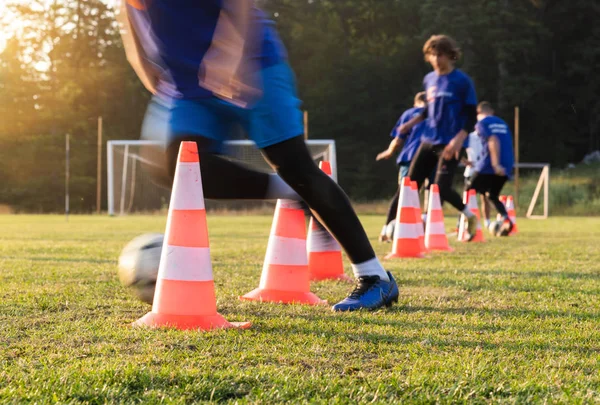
(321, 241)
(435, 228)
(417, 206)
(286, 251)
(185, 264)
(406, 231)
(289, 204)
(188, 178)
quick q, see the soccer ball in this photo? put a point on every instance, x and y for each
(138, 265)
(494, 227)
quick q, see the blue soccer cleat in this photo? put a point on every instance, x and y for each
(370, 292)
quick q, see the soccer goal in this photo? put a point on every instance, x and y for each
(131, 189)
(543, 182)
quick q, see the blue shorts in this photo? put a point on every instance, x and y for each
(274, 118)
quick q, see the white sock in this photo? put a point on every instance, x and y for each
(467, 212)
(279, 189)
(383, 231)
(487, 223)
(371, 267)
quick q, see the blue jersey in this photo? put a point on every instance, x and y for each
(412, 139)
(175, 36)
(447, 95)
(497, 127)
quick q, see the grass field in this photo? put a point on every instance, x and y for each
(515, 320)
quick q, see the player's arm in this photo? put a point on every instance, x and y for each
(136, 56)
(407, 126)
(219, 71)
(494, 145)
(469, 115)
(396, 145)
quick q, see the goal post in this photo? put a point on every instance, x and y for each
(131, 189)
(542, 183)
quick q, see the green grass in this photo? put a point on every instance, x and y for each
(509, 321)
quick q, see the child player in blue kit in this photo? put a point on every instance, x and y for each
(407, 144)
(449, 117)
(214, 66)
(496, 164)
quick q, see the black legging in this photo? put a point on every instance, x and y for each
(225, 179)
(393, 208)
(490, 185)
(327, 201)
(427, 158)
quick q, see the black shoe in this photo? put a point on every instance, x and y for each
(506, 228)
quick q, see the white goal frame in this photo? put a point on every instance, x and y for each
(544, 181)
(110, 145)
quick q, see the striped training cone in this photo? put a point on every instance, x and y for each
(285, 276)
(406, 233)
(417, 206)
(324, 252)
(435, 232)
(503, 201)
(185, 292)
(472, 204)
(512, 215)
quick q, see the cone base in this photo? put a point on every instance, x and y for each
(393, 255)
(187, 322)
(326, 266)
(441, 249)
(283, 297)
(438, 243)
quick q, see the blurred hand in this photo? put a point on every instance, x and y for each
(386, 154)
(499, 170)
(452, 150)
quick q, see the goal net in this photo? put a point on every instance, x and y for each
(130, 185)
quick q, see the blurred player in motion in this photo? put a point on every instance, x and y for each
(449, 117)
(495, 167)
(407, 144)
(215, 66)
(474, 155)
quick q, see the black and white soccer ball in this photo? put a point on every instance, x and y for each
(494, 227)
(138, 265)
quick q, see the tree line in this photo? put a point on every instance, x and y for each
(358, 65)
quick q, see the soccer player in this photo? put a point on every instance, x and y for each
(407, 143)
(474, 155)
(449, 117)
(216, 66)
(496, 164)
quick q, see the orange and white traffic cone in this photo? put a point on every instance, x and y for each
(324, 252)
(406, 233)
(285, 276)
(185, 292)
(417, 206)
(512, 215)
(472, 204)
(435, 231)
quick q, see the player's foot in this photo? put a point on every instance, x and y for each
(505, 229)
(472, 227)
(370, 292)
(383, 238)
